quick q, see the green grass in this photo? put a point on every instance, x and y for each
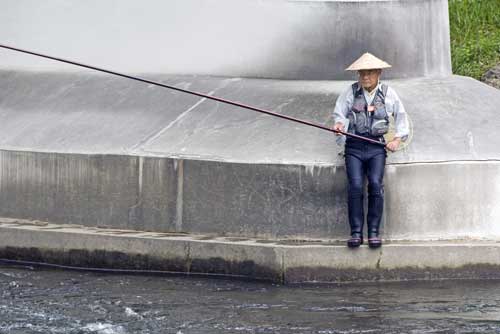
(475, 36)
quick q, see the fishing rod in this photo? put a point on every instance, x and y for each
(237, 104)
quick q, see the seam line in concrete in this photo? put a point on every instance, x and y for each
(188, 258)
(141, 168)
(171, 155)
(283, 268)
(157, 134)
(180, 194)
(435, 162)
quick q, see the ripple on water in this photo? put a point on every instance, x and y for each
(131, 313)
(103, 328)
(338, 309)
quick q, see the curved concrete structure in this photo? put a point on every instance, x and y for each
(267, 39)
(95, 150)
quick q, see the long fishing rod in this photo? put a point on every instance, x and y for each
(241, 105)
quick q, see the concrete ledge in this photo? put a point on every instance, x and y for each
(283, 261)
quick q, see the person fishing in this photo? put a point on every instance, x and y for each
(364, 109)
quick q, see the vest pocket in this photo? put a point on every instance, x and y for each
(379, 127)
(358, 106)
(359, 122)
(380, 112)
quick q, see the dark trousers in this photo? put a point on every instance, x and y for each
(365, 160)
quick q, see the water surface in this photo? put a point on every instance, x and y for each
(50, 301)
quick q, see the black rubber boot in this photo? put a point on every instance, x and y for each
(374, 242)
(356, 240)
(356, 219)
(375, 209)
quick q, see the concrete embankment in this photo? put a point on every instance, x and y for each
(282, 261)
(139, 158)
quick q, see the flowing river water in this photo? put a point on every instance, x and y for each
(53, 301)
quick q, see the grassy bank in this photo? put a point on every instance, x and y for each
(475, 36)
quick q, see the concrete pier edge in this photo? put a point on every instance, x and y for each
(279, 261)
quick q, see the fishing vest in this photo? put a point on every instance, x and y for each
(363, 122)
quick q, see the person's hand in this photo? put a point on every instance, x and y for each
(393, 144)
(338, 127)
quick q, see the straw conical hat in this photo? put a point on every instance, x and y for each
(367, 62)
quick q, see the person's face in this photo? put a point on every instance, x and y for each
(369, 78)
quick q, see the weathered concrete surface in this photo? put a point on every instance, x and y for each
(165, 194)
(257, 200)
(316, 261)
(271, 39)
(104, 151)
(282, 183)
(85, 113)
(443, 200)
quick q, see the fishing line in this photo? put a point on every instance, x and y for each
(35, 264)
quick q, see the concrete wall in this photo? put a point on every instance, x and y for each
(162, 194)
(423, 201)
(271, 39)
